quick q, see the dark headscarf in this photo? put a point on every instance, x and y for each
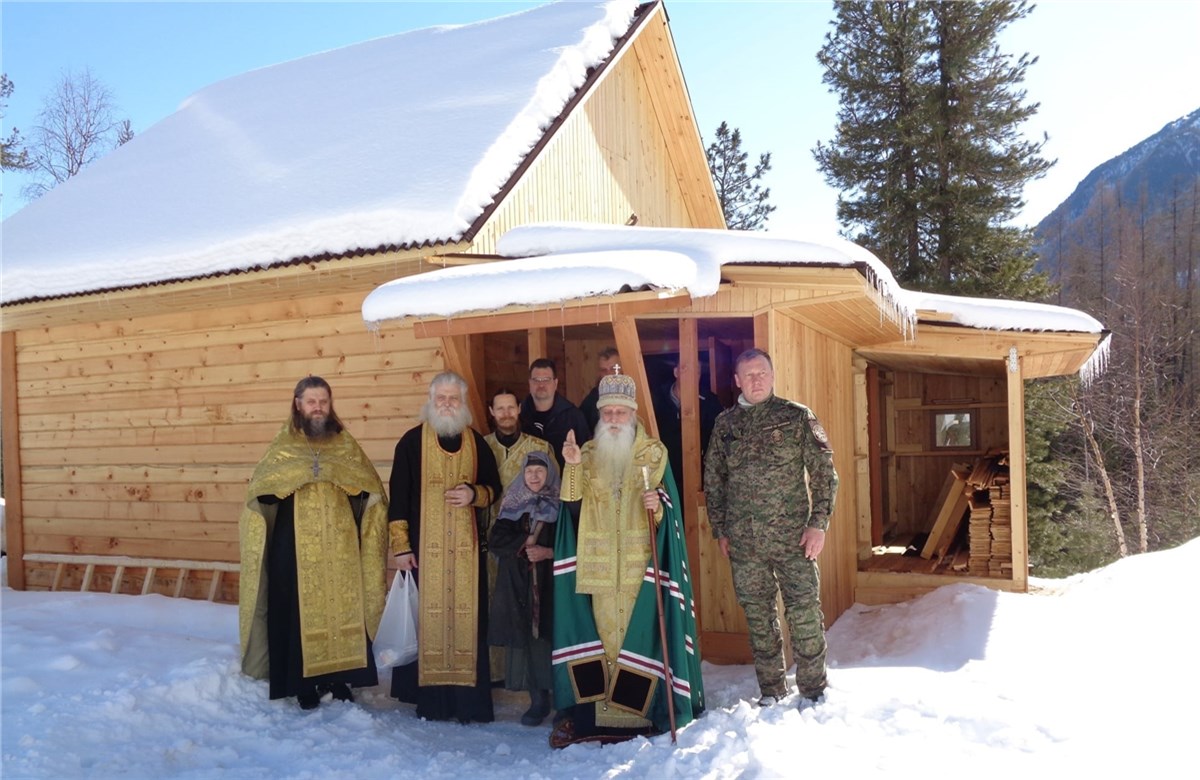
(542, 506)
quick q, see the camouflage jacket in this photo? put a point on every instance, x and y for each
(755, 470)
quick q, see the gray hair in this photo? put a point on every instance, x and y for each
(448, 378)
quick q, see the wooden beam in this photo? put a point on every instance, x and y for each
(689, 418)
(876, 456)
(456, 351)
(589, 311)
(14, 527)
(360, 273)
(1016, 472)
(539, 345)
(630, 346)
(862, 462)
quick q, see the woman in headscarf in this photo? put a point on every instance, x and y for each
(522, 539)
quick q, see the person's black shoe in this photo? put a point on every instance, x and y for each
(341, 692)
(810, 700)
(539, 708)
(309, 700)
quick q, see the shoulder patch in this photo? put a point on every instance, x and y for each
(818, 433)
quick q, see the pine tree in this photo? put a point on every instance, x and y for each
(928, 148)
(12, 156)
(743, 199)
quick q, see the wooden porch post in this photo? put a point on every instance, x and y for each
(456, 351)
(626, 335)
(1016, 470)
(14, 526)
(689, 416)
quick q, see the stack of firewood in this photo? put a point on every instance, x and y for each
(989, 528)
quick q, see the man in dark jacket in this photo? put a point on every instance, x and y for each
(546, 414)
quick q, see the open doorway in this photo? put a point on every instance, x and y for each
(939, 473)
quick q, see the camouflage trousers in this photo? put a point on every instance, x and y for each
(757, 578)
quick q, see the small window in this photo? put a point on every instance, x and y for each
(954, 430)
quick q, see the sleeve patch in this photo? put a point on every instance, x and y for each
(819, 434)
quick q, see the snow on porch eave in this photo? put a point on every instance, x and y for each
(569, 280)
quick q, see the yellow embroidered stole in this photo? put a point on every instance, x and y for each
(329, 581)
(448, 629)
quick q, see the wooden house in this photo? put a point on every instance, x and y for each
(159, 308)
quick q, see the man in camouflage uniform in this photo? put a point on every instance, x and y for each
(758, 505)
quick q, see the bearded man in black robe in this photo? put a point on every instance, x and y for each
(444, 478)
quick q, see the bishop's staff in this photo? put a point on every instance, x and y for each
(658, 601)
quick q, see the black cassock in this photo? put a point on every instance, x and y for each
(444, 702)
(283, 613)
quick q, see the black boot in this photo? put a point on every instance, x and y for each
(341, 692)
(309, 700)
(539, 708)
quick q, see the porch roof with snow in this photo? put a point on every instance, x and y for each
(398, 142)
(574, 266)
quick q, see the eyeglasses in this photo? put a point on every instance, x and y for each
(536, 381)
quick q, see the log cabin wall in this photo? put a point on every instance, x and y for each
(817, 371)
(917, 467)
(138, 437)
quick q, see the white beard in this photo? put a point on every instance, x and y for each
(446, 425)
(613, 453)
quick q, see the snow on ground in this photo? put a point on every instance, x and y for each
(1091, 674)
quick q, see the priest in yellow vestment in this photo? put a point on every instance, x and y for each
(443, 481)
(313, 552)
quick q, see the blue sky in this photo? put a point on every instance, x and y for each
(1109, 73)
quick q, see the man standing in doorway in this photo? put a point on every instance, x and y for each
(761, 518)
(548, 415)
(314, 552)
(443, 480)
(509, 445)
(605, 361)
(668, 414)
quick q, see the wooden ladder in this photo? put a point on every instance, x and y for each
(123, 562)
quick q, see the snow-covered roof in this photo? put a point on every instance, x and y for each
(559, 262)
(398, 141)
(563, 261)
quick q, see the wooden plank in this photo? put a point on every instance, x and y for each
(87, 577)
(183, 575)
(689, 412)
(14, 528)
(586, 311)
(626, 335)
(215, 587)
(950, 507)
(117, 576)
(1017, 476)
(148, 583)
(354, 276)
(457, 352)
(125, 529)
(137, 548)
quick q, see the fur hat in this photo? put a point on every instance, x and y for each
(618, 390)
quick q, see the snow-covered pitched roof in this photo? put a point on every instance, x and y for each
(398, 141)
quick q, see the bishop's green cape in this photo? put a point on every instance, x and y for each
(580, 672)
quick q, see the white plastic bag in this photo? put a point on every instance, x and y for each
(396, 640)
